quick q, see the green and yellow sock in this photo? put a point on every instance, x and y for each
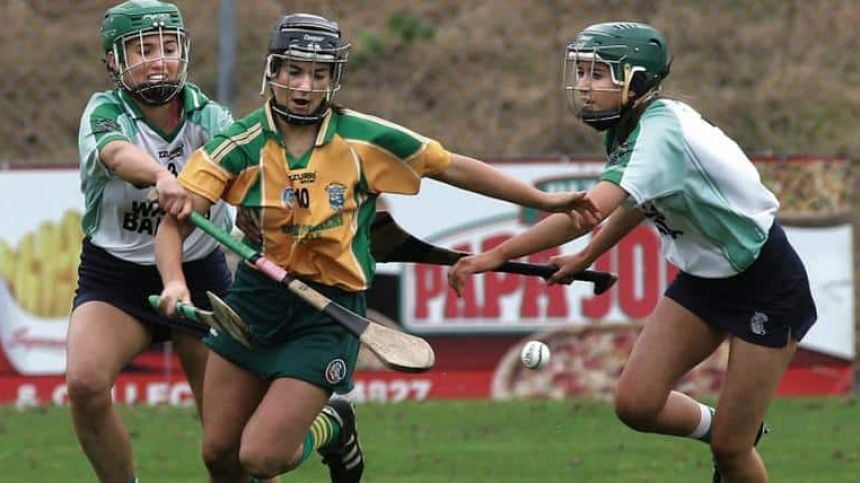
(324, 430)
(706, 423)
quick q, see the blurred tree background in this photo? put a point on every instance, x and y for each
(483, 77)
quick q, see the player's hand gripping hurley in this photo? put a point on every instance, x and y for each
(221, 318)
(397, 350)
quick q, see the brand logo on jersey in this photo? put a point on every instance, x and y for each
(336, 195)
(172, 154)
(288, 197)
(619, 154)
(757, 322)
(144, 217)
(335, 371)
(303, 178)
(659, 221)
(106, 125)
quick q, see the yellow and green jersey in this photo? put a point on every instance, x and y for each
(316, 210)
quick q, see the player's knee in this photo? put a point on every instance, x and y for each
(220, 458)
(87, 388)
(635, 411)
(728, 449)
(263, 463)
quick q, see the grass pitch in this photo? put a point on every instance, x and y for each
(813, 440)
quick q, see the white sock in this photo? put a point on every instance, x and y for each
(703, 430)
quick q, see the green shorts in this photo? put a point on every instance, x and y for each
(291, 338)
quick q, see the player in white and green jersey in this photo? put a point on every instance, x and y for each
(118, 216)
(310, 171)
(132, 138)
(740, 278)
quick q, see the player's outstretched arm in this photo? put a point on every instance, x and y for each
(552, 231)
(168, 255)
(133, 164)
(477, 176)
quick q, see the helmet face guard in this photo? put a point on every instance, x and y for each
(158, 91)
(635, 57)
(310, 40)
(578, 85)
(156, 26)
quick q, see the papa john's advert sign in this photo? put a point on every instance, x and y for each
(509, 303)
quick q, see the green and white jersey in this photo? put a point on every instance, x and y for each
(698, 188)
(117, 215)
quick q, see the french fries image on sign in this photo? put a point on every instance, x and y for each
(42, 271)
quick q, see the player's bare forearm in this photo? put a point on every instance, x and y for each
(552, 231)
(132, 163)
(619, 224)
(168, 250)
(168, 242)
(560, 228)
(477, 176)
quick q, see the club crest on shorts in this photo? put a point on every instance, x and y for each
(757, 322)
(336, 195)
(335, 371)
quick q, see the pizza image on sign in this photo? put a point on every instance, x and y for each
(587, 361)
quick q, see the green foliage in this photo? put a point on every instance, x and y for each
(813, 440)
(409, 28)
(401, 31)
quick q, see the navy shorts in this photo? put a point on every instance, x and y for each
(127, 286)
(765, 304)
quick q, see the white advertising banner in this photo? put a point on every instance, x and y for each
(39, 248)
(40, 235)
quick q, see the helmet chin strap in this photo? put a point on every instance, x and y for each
(600, 120)
(625, 89)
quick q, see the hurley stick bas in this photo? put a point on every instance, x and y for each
(391, 243)
(397, 350)
(221, 318)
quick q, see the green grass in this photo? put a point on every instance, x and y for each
(813, 440)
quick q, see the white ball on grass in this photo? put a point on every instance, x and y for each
(535, 354)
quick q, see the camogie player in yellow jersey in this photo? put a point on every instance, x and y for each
(310, 171)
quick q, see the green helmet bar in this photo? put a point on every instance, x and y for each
(134, 18)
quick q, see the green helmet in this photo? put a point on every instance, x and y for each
(637, 56)
(134, 19)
